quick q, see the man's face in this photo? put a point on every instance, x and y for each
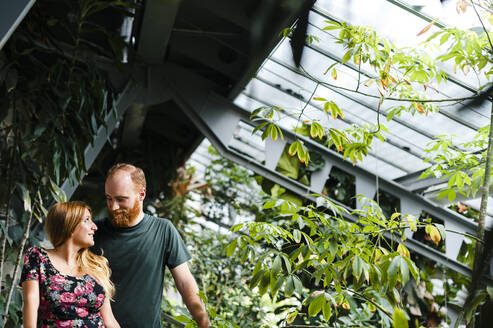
(123, 199)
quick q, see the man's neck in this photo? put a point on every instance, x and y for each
(137, 220)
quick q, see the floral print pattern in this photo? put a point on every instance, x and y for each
(65, 301)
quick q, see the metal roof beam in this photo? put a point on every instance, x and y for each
(91, 152)
(11, 15)
(157, 24)
(344, 120)
(258, 58)
(325, 14)
(218, 118)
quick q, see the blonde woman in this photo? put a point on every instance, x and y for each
(67, 286)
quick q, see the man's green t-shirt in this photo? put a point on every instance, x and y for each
(138, 256)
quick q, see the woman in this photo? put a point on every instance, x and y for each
(68, 286)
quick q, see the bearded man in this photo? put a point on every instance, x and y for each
(138, 247)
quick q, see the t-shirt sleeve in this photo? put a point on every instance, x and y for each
(30, 270)
(176, 252)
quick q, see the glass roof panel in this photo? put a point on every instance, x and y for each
(278, 82)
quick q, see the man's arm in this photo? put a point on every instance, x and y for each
(187, 286)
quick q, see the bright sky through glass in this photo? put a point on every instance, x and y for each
(280, 83)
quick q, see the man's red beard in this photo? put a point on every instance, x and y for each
(123, 217)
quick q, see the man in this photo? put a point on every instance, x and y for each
(138, 246)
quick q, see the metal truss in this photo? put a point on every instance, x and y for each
(219, 119)
(11, 15)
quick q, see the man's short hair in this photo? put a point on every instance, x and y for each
(136, 173)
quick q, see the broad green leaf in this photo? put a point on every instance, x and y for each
(316, 305)
(297, 284)
(278, 285)
(26, 197)
(399, 319)
(470, 308)
(404, 269)
(289, 286)
(489, 289)
(327, 311)
(276, 265)
(231, 247)
(260, 126)
(451, 195)
(182, 318)
(269, 204)
(346, 57)
(358, 264)
(297, 235)
(433, 232)
(290, 317)
(393, 267)
(256, 278)
(264, 283)
(403, 250)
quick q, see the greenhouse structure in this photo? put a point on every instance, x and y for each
(324, 161)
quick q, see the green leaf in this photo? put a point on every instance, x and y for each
(276, 265)
(182, 318)
(326, 311)
(269, 204)
(489, 289)
(470, 308)
(399, 319)
(404, 269)
(287, 263)
(297, 284)
(297, 235)
(264, 282)
(358, 264)
(289, 287)
(394, 265)
(278, 285)
(346, 57)
(231, 247)
(290, 317)
(451, 195)
(26, 197)
(316, 305)
(256, 278)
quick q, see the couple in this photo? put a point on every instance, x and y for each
(70, 286)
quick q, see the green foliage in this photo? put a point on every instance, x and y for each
(53, 99)
(334, 267)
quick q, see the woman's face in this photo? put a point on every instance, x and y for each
(83, 234)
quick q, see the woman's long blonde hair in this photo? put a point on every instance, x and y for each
(61, 221)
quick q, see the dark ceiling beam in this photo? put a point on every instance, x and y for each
(151, 79)
(228, 10)
(207, 52)
(102, 136)
(259, 56)
(157, 24)
(11, 15)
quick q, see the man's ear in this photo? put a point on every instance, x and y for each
(142, 193)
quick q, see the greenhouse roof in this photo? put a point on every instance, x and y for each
(401, 158)
(280, 83)
(212, 65)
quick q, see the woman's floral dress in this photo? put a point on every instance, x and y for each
(65, 301)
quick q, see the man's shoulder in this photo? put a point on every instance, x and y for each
(161, 222)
